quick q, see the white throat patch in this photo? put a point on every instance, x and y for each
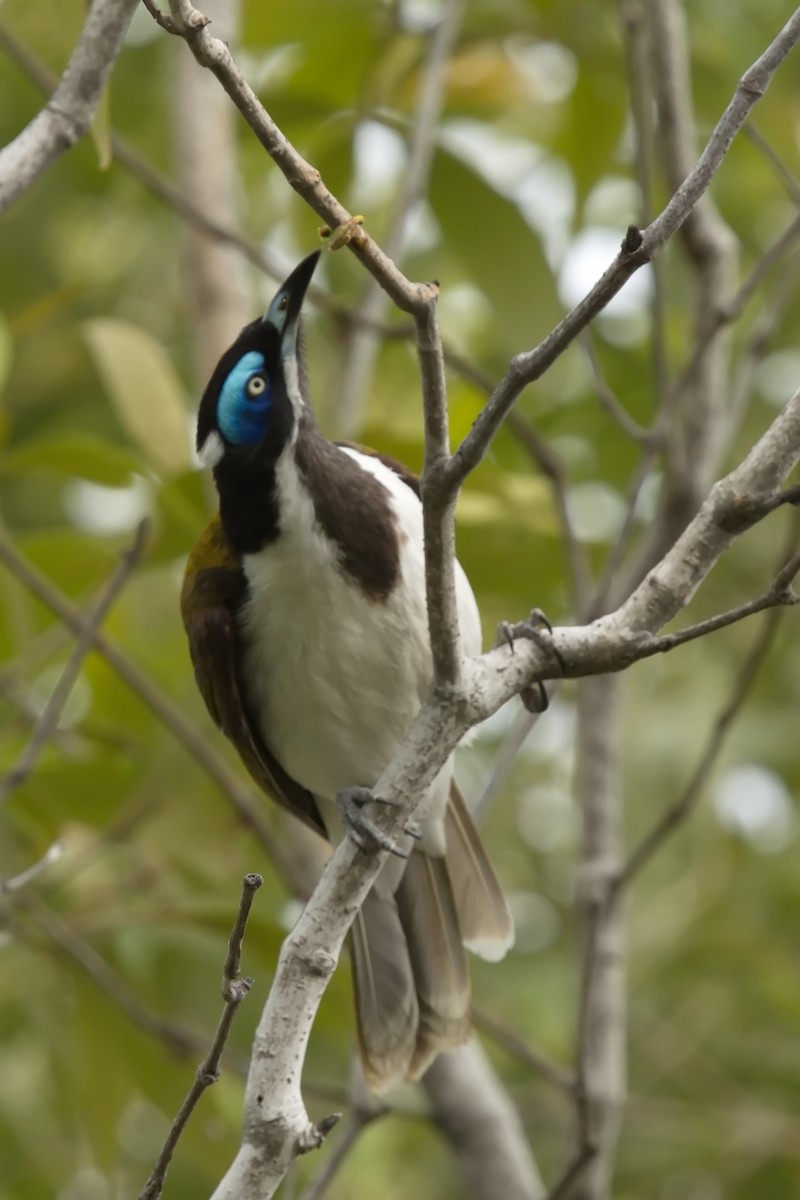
(211, 450)
(292, 381)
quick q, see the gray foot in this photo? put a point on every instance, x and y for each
(536, 628)
(364, 832)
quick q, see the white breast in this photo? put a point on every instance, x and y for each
(338, 678)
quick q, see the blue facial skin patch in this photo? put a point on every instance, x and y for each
(243, 419)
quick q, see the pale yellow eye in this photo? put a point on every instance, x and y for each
(256, 386)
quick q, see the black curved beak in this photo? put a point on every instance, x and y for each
(284, 311)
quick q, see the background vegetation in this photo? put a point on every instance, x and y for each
(111, 960)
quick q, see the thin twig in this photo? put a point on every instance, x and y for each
(618, 414)
(48, 722)
(234, 991)
(781, 170)
(17, 882)
(426, 122)
(160, 17)
(778, 594)
(438, 505)
(577, 1164)
(521, 1049)
(204, 131)
(233, 959)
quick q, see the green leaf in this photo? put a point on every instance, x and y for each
(145, 390)
(501, 253)
(181, 512)
(80, 454)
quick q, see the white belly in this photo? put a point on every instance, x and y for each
(335, 677)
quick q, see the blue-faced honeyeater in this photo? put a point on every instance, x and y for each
(304, 604)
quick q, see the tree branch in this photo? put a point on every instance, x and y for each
(438, 505)
(600, 1071)
(66, 116)
(477, 1118)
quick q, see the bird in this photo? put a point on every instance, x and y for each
(304, 606)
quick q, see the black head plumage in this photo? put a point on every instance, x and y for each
(255, 394)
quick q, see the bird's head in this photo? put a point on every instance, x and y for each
(255, 396)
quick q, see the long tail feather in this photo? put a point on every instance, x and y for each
(387, 1014)
(428, 915)
(409, 967)
(485, 922)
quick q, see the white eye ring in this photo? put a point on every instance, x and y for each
(256, 385)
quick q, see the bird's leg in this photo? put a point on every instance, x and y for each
(364, 832)
(536, 628)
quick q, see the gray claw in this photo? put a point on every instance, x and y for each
(505, 635)
(536, 628)
(364, 832)
(535, 698)
(538, 617)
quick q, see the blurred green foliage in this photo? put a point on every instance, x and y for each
(97, 395)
